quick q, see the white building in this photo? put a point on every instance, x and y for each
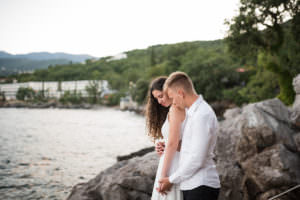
(117, 57)
(54, 88)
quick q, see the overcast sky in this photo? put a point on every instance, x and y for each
(108, 27)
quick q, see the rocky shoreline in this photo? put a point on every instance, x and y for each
(219, 107)
(50, 104)
(55, 104)
(257, 156)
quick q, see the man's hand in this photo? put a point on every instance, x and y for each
(164, 185)
(159, 148)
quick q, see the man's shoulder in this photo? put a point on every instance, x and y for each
(204, 109)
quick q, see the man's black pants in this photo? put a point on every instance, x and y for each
(201, 193)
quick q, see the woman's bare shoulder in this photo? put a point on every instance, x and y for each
(177, 114)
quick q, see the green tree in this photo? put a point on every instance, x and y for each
(260, 27)
(94, 91)
(71, 97)
(114, 99)
(140, 91)
(2, 96)
(25, 93)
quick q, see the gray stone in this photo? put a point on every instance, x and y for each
(264, 124)
(297, 141)
(256, 152)
(231, 113)
(230, 172)
(273, 168)
(295, 115)
(128, 179)
(296, 84)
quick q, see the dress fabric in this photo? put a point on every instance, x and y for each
(175, 193)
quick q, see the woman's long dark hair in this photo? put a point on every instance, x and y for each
(155, 113)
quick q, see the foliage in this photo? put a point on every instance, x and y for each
(71, 97)
(25, 93)
(114, 99)
(215, 71)
(270, 28)
(40, 96)
(263, 85)
(2, 96)
(94, 92)
(140, 90)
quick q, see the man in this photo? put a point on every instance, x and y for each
(196, 174)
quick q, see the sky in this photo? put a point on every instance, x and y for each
(108, 27)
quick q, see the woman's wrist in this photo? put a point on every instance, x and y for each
(163, 175)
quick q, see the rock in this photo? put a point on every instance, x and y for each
(138, 153)
(264, 124)
(128, 179)
(220, 107)
(296, 84)
(276, 167)
(50, 104)
(275, 191)
(231, 113)
(230, 172)
(257, 152)
(297, 141)
(295, 116)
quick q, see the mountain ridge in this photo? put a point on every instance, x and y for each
(44, 55)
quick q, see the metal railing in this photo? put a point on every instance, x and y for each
(285, 192)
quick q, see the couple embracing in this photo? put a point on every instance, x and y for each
(188, 126)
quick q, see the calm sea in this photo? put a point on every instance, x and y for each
(44, 152)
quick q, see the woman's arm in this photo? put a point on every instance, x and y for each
(176, 117)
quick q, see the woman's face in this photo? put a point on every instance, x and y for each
(162, 98)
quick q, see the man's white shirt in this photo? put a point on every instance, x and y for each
(196, 165)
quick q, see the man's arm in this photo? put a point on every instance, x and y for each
(200, 142)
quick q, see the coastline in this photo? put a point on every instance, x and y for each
(55, 104)
(219, 106)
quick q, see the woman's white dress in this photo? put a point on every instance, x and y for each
(174, 193)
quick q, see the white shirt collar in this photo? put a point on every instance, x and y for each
(193, 107)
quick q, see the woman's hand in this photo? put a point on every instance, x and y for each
(159, 148)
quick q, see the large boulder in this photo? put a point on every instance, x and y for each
(128, 179)
(258, 152)
(229, 169)
(295, 117)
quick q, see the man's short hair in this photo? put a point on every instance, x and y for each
(180, 80)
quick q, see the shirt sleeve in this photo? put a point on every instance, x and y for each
(200, 142)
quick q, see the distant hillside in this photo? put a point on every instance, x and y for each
(48, 56)
(215, 72)
(11, 64)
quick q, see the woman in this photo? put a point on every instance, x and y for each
(164, 121)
